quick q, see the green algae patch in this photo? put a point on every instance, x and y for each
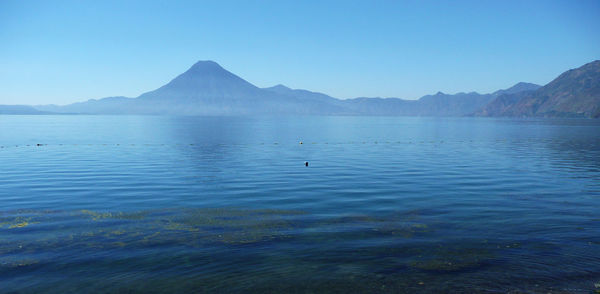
(94, 215)
(186, 226)
(117, 232)
(17, 223)
(196, 227)
(175, 226)
(233, 226)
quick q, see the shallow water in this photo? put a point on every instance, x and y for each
(151, 204)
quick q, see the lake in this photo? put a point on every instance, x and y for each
(157, 204)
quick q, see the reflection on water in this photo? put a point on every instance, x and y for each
(392, 205)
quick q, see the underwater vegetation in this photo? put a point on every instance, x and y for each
(274, 250)
(119, 215)
(17, 222)
(196, 226)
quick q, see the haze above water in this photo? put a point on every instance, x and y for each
(387, 204)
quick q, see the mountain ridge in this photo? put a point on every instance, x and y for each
(574, 93)
(20, 109)
(206, 88)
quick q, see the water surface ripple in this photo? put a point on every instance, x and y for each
(153, 204)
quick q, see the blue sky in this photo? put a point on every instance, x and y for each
(66, 51)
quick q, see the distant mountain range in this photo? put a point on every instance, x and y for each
(208, 89)
(20, 109)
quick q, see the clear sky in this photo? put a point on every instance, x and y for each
(66, 51)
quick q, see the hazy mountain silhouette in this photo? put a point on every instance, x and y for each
(575, 93)
(208, 89)
(204, 89)
(20, 109)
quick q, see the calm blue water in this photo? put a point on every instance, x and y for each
(150, 204)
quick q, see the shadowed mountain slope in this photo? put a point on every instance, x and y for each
(575, 93)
